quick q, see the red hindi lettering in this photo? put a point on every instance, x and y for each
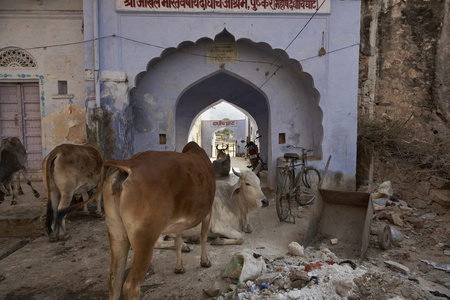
(131, 3)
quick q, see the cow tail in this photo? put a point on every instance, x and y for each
(63, 212)
(48, 175)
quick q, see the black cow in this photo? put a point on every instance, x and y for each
(221, 152)
(12, 161)
(222, 166)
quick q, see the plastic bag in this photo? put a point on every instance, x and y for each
(384, 190)
(396, 236)
(244, 266)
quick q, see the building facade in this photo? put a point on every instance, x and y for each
(135, 75)
(293, 68)
(42, 84)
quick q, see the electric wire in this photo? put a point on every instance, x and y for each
(272, 63)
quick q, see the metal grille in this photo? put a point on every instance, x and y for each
(16, 58)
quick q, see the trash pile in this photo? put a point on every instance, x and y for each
(311, 273)
(317, 274)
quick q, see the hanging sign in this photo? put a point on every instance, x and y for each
(248, 6)
(223, 123)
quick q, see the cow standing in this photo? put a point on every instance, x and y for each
(69, 170)
(13, 157)
(154, 193)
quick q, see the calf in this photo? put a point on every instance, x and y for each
(13, 157)
(69, 170)
(154, 193)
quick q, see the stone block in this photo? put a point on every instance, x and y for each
(441, 196)
(397, 267)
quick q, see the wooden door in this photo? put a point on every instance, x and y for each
(20, 116)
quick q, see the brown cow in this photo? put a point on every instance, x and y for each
(69, 170)
(154, 193)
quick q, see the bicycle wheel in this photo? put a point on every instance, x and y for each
(310, 180)
(283, 195)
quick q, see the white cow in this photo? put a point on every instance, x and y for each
(235, 197)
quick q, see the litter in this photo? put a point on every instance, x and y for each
(444, 267)
(244, 266)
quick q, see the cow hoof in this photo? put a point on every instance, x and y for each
(37, 195)
(217, 241)
(14, 202)
(179, 271)
(206, 265)
(185, 248)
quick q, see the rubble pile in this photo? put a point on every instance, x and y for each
(316, 276)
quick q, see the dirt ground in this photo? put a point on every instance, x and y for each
(78, 268)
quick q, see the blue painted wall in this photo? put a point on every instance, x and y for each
(312, 99)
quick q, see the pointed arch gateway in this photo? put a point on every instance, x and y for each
(221, 85)
(265, 82)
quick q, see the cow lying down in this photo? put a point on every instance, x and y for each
(235, 197)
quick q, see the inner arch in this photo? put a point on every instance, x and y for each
(221, 86)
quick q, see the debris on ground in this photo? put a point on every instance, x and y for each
(309, 277)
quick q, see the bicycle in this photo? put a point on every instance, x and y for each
(301, 187)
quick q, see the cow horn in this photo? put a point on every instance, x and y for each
(258, 168)
(226, 147)
(236, 173)
(217, 147)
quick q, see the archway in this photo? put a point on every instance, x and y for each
(184, 81)
(221, 85)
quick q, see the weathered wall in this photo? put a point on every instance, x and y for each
(48, 30)
(404, 89)
(144, 46)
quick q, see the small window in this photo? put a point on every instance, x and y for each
(282, 138)
(162, 139)
(62, 87)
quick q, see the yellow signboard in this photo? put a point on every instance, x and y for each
(222, 52)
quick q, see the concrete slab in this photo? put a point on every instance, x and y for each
(27, 217)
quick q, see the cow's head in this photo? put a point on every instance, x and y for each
(221, 152)
(248, 189)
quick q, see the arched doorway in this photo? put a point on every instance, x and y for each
(221, 85)
(263, 81)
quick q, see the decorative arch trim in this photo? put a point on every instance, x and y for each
(13, 58)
